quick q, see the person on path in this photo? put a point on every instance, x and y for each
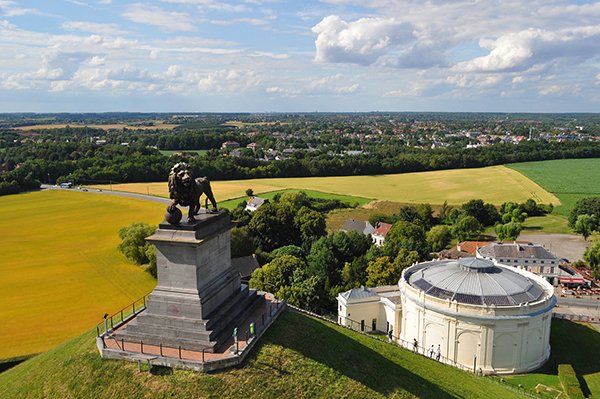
(390, 335)
(439, 353)
(431, 352)
(415, 345)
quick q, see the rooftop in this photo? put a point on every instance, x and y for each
(473, 281)
(516, 250)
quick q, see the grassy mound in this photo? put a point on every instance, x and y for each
(298, 357)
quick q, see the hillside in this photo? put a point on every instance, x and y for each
(61, 270)
(495, 184)
(299, 357)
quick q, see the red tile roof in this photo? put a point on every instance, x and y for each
(382, 229)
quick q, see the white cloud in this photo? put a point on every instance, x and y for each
(362, 41)
(213, 5)
(522, 50)
(166, 20)
(8, 9)
(101, 29)
(228, 81)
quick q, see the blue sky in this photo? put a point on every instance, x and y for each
(300, 56)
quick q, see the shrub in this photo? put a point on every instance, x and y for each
(569, 381)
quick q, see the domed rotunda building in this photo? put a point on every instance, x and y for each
(488, 318)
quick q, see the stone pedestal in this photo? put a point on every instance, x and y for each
(199, 296)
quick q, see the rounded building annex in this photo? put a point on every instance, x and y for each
(477, 315)
(492, 317)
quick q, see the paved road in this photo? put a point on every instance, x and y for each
(108, 192)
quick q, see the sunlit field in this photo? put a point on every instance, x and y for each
(61, 270)
(496, 184)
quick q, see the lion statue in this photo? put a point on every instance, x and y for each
(184, 190)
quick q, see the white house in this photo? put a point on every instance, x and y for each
(380, 232)
(254, 203)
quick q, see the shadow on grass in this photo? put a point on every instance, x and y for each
(356, 361)
(574, 344)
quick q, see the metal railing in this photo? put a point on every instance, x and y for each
(179, 352)
(114, 321)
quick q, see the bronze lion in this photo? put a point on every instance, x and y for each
(184, 190)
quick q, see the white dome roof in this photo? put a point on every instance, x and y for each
(473, 281)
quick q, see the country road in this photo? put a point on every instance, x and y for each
(108, 192)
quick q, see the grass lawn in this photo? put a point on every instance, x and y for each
(171, 152)
(359, 201)
(299, 357)
(551, 224)
(61, 270)
(496, 184)
(568, 179)
(572, 343)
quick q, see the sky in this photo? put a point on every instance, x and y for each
(299, 56)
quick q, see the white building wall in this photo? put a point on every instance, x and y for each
(495, 340)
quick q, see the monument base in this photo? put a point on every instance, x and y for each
(199, 297)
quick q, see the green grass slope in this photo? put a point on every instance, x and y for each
(299, 357)
(568, 179)
(574, 344)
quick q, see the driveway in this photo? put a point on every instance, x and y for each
(569, 246)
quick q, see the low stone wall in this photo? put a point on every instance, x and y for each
(227, 361)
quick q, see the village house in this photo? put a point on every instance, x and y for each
(380, 232)
(254, 203)
(360, 226)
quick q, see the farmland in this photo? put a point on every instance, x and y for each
(568, 179)
(495, 184)
(171, 152)
(61, 270)
(158, 125)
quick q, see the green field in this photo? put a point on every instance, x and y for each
(171, 152)
(568, 179)
(359, 201)
(299, 357)
(575, 344)
(61, 270)
(496, 184)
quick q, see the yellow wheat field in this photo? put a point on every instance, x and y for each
(61, 270)
(495, 184)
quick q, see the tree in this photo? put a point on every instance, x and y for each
(382, 271)
(276, 275)
(592, 256)
(509, 231)
(133, 245)
(293, 250)
(589, 206)
(310, 224)
(405, 259)
(486, 214)
(136, 248)
(444, 210)
(467, 228)
(586, 224)
(439, 237)
(242, 243)
(249, 192)
(322, 260)
(409, 236)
